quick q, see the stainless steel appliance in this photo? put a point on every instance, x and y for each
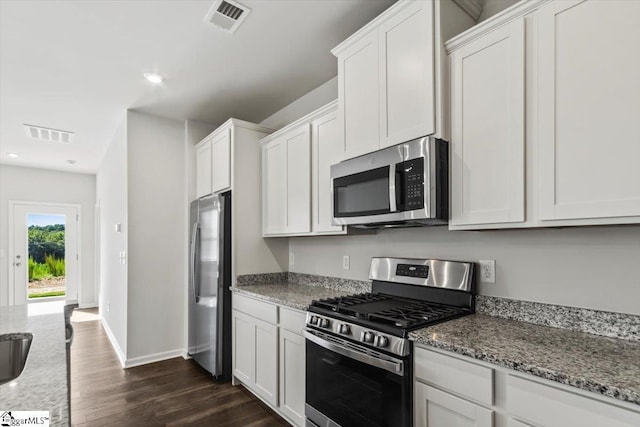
(359, 363)
(403, 185)
(209, 282)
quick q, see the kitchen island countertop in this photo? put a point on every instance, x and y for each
(602, 365)
(42, 386)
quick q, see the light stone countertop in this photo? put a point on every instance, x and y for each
(42, 386)
(288, 294)
(602, 365)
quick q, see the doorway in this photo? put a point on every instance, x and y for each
(44, 252)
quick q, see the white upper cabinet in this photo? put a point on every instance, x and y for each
(274, 187)
(487, 132)
(327, 149)
(234, 141)
(286, 174)
(407, 74)
(546, 116)
(296, 182)
(390, 75)
(203, 168)
(358, 94)
(221, 174)
(589, 124)
(298, 170)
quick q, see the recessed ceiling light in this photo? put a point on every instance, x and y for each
(13, 155)
(154, 78)
(71, 162)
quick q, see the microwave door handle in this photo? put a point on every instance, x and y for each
(392, 187)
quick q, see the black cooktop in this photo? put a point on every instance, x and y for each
(387, 311)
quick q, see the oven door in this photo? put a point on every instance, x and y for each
(348, 385)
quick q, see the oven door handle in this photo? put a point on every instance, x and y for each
(392, 365)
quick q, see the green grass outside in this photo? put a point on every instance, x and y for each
(47, 294)
(52, 267)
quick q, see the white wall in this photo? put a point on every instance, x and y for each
(41, 185)
(320, 96)
(111, 193)
(156, 217)
(593, 267)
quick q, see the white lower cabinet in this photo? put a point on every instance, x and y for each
(255, 355)
(435, 408)
(292, 375)
(269, 354)
(453, 390)
(548, 406)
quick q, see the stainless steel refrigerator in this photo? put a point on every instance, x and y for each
(209, 282)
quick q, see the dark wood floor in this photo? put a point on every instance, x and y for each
(175, 392)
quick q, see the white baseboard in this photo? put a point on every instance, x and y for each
(88, 305)
(150, 358)
(114, 342)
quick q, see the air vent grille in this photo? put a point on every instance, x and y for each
(227, 15)
(48, 135)
(229, 10)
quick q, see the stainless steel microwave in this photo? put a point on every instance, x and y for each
(399, 186)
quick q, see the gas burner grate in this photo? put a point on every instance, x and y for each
(339, 304)
(415, 314)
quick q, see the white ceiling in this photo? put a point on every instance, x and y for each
(78, 65)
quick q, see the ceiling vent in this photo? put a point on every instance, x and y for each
(227, 15)
(48, 135)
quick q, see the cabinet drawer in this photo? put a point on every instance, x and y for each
(466, 379)
(258, 309)
(551, 407)
(292, 320)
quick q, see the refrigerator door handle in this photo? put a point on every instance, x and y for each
(194, 244)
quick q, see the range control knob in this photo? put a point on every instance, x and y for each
(344, 329)
(381, 341)
(323, 323)
(367, 337)
(313, 320)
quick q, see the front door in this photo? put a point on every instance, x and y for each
(44, 253)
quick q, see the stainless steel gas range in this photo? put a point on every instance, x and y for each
(359, 362)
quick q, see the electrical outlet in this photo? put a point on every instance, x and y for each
(108, 307)
(291, 259)
(488, 271)
(345, 262)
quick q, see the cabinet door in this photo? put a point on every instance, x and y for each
(407, 92)
(327, 149)
(274, 187)
(548, 406)
(244, 351)
(266, 361)
(358, 96)
(516, 423)
(488, 139)
(221, 161)
(589, 95)
(298, 172)
(435, 408)
(292, 376)
(203, 169)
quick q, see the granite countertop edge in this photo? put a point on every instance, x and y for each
(608, 390)
(268, 298)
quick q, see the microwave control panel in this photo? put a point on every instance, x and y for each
(410, 175)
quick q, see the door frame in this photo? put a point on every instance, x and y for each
(11, 207)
